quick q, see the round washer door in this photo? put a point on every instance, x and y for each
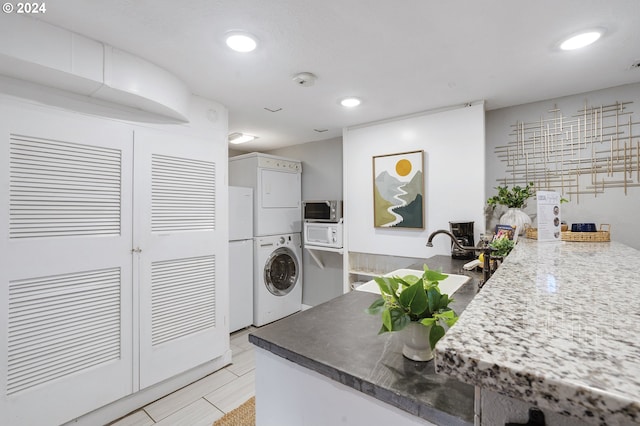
(281, 271)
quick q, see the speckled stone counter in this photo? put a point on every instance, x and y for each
(558, 325)
(339, 340)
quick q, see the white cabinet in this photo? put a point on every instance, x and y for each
(108, 277)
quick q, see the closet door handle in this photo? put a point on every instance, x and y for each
(136, 250)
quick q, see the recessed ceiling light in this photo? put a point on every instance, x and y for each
(237, 138)
(350, 102)
(241, 41)
(581, 40)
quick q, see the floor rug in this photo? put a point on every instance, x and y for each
(244, 415)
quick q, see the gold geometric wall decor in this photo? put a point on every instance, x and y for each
(587, 153)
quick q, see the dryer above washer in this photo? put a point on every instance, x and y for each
(277, 186)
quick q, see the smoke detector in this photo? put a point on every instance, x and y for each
(304, 79)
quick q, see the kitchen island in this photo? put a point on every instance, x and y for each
(328, 365)
(557, 327)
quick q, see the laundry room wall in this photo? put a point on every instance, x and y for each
(321, 179)
(453, 143)
(613, 207)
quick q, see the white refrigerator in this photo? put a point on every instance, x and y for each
(240, 257)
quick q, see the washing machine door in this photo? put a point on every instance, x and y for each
(281, 271)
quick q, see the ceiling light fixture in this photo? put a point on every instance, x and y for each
(241, 41)
(237, 138)
(581, 40)
(350, 102)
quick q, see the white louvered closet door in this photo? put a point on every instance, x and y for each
(182, 258)
(65, 265)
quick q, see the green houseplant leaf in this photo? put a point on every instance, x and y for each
(434, 276)
(414, 299)
(376, 307)
(515, 197)
(394, 319)
(436, 333)
(388, 285)
(501, 247)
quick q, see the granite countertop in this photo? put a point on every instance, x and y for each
(339, 340)
(558, 325)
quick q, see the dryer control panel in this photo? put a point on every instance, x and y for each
(279, 164)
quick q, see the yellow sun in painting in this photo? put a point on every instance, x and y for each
(403, 167)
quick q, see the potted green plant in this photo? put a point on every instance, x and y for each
(501, 246)
(514, 199)
(416, 306)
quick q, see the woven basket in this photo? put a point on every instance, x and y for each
(599, 236)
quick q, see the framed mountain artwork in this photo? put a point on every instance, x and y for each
(398, 190)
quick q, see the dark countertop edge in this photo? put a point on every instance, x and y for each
(401, 402)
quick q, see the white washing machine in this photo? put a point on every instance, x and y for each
(277, 290)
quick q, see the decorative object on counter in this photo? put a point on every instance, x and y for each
(583, 153)
(583, 227)
(600, 236)
(504, 240)
(411, 299)
(398, 190)
(502, 246)
(514, 199)
(505, 231)
(516, 218)
(548, 215)
(484, 249)
(416, 345)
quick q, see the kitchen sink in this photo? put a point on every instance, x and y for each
(447, 286)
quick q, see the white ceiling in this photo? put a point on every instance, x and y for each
(400, 57)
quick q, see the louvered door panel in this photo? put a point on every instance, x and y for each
(183, 298)
(63, 189)
(182, 304)
(61, 325)
(65, 264)
(183, 194)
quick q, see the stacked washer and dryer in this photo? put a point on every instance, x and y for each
(277, 226)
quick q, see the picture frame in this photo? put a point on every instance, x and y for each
(398, 190)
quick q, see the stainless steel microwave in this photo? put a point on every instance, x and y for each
(322, 211)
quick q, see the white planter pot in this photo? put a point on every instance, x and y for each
(516, 218)
(415, 339)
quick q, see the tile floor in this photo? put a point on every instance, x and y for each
(208, 399)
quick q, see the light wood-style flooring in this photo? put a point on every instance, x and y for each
(208, 399)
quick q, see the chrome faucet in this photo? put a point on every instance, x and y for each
(485, 249)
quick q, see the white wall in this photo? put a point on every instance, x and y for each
(613, 207)
(454, 145)
(321, 180)
(321, 168)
